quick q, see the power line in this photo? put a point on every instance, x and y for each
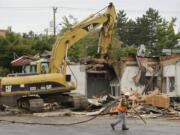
(162, 11)
(77, 8)
(73, 8)
(45, 7)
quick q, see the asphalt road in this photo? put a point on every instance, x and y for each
(98, 126)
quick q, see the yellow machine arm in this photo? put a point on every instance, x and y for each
(105, 18)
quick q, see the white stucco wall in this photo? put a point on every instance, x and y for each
(127, 82)
(178, 78)
(80, 76)
(170, 71)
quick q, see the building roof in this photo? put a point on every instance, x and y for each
(170, 57)
(145, 58)
(23, 60)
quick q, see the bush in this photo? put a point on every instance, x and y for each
(3, 71)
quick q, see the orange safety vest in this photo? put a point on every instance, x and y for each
(122, 108)
(119, 107)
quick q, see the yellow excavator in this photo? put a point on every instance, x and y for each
(56, 85)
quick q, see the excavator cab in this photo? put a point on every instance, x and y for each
(35, 67)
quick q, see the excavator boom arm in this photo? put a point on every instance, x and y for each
(80, 30)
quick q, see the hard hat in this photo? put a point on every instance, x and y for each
(127, 94)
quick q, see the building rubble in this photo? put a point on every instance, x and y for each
(152, 81)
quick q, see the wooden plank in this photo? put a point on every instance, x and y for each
(157, 100)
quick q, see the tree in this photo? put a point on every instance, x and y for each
(26, 44)
(121, 26)
(67, 23)
(125, 51)
(140, 31)
(150, 29)
(166, 36)
(42, 43)
(147, 25)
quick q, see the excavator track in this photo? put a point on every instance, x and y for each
(79, 101)
(33, 104)
(75, 100)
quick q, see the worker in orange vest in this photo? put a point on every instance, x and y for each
(122, 111)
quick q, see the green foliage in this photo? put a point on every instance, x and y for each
(4, 71)
(43, 43)
(85, 47)
(125, 51)
(121, 27)
(150, 29)
(67, 23)
(166, 37)
(74, 52)
(25, 44)
(147, 26)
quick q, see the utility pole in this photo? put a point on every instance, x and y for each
(54, 19)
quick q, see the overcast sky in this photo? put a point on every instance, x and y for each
(23, 16)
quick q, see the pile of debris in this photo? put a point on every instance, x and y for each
(152, 105)
(7, 110)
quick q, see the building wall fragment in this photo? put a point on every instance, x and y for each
(132, 79)
(171, 75)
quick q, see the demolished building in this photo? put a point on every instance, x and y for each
(171, 75)
(144, 74)
(135, 73)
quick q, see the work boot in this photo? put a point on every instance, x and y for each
(124, 127)
(112, 126)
